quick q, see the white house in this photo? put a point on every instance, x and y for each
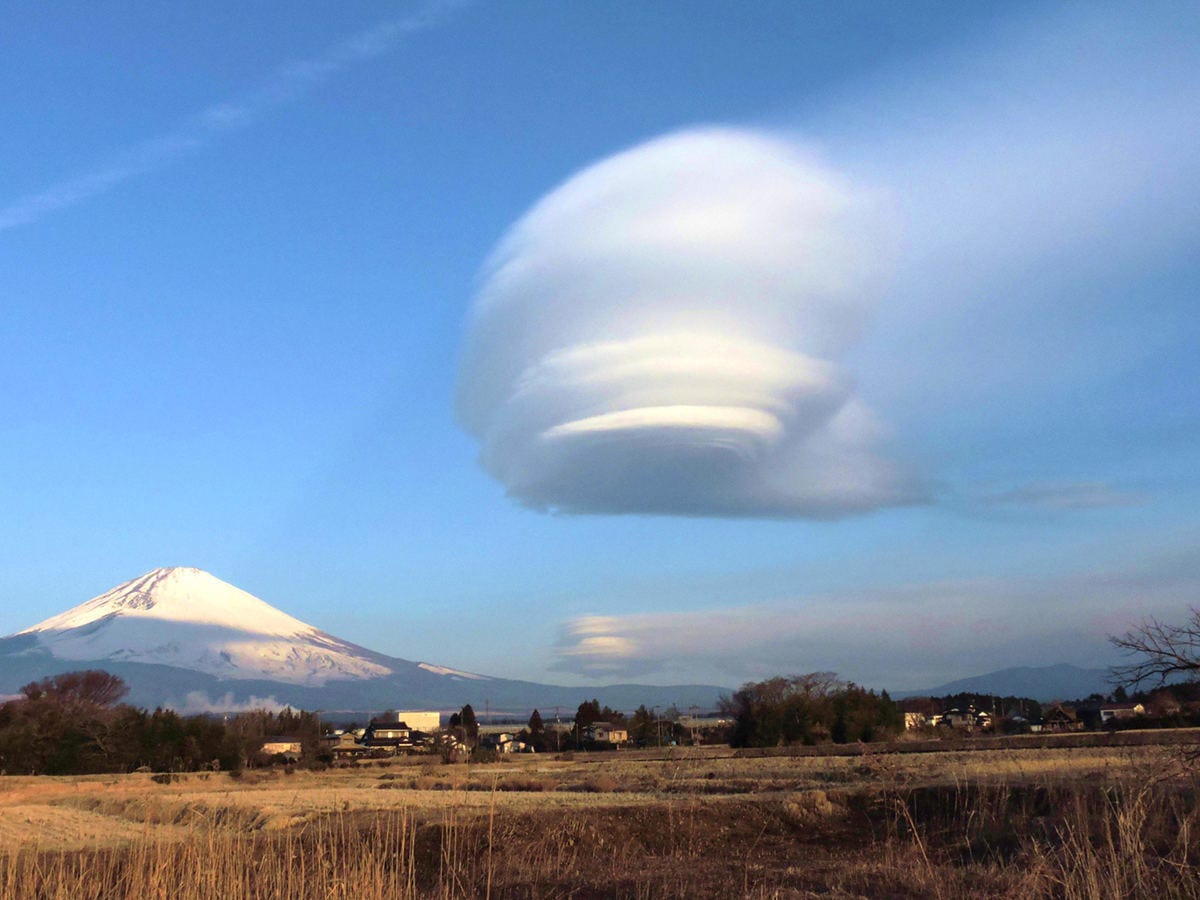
(426, 720)
(1110, 711)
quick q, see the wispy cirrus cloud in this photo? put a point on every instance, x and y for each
(286, 84)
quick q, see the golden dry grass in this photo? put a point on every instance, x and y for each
(1082, 822)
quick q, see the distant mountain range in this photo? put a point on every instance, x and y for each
(1045, 683)
(184, 639)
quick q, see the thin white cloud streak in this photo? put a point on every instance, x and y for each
(1066, 496)
(900, 638)
(286, 84)
(661, 334)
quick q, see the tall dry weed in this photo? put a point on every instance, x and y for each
(892, 826)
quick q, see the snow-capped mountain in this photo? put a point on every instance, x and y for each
(183, 638)
(190, 619)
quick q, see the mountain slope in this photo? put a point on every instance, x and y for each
(1057, 682)
(184, 639)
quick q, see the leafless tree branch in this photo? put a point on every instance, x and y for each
(1159, 651)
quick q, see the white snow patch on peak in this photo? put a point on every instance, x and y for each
(446, 670)
(180, 594)
(190, 619)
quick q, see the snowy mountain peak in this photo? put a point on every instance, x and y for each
(190, 619)
(180, 594)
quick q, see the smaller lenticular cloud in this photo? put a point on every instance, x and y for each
(662, 334)
(882, 635)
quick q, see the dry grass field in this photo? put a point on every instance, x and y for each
(1066, 822)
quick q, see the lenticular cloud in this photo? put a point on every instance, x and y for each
(662, 334)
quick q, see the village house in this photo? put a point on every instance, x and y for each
(287, 747)
(1018, 723)
(388, 733)
(428, 721)
(497, 740)
(606, 732)
(448, 742)
(342, 745)
(504, 742)
(1111, 711)
(1061, 718)
(967, 719)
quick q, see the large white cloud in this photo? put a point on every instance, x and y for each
(663, 333)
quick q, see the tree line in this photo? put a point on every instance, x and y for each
(809, 709)
(74, 724)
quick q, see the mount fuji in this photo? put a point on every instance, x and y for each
(184, 639)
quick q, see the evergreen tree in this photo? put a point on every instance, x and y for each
(537, 732)
(641, 727)
(469, 725)
(586, 715)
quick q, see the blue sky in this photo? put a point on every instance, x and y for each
(269, 278)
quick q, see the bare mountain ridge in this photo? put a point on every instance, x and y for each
(1042, 683)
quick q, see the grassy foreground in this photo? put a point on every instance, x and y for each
(1068, 822)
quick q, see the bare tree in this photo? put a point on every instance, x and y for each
(1159, 651)
(92, 687)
